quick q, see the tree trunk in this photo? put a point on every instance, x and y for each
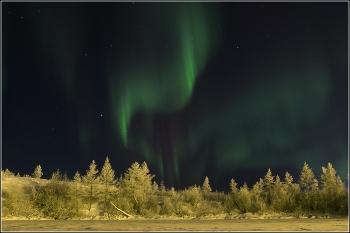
(126, 214)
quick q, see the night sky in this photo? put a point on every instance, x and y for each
(224, 90)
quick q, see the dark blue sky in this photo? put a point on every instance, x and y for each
(224, 90)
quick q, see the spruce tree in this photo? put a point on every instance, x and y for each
(329, 187)
(291, 190)
(268, 185)
(279, 194)
(137, 184)
(234, 193)
(307, 179)
(38, 172)
(91, 180)
(76, 191)
(107, 179)
(206, 187)
(244, 200)
(328, 177)
(233, 186)
(288, 179)
(258, 203)
(268, 180)
(162, 188)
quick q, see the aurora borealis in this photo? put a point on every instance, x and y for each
(224, 90)
(159, 76)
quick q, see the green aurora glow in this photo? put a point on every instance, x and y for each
(162, 82)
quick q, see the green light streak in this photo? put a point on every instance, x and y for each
(161, 79)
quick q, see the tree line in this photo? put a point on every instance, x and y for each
(136, 194)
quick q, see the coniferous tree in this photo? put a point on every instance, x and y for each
(258, 204)
(91, 180)
(233, 186)
(307, 179)
(309, 185)
(291, 190)
(279, 194)
(268, 179)
(268, 185)
(328, 177)
(155, 187)
(161, 189)
(341, 197)
(288, 179)
(244, 198)
(206, 187)
(234, 194)
(107, 179)
(38, 172)
(154, 199)
(77, 180)
(333, 188)
(137, 185)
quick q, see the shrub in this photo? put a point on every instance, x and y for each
(15, 202)
(7, 174)
(54, 198)
(167, 206)
(193, 196)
